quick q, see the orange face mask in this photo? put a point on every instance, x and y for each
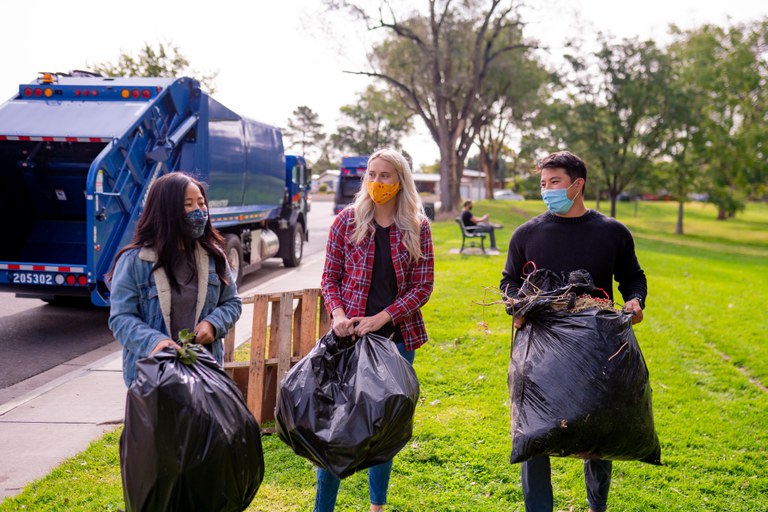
(382, 192)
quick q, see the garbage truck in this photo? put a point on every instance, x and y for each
(78, 155)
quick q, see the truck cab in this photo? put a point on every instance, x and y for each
(298, 177)
(350, 176)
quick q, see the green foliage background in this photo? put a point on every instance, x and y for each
(703, 339)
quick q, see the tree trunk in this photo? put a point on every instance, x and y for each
(451, 171)
(597, 200)
(613, 205)
(721, 214)
(484, 163)
(679, 226)
(457, 170)
(446, 204)
(493, 165)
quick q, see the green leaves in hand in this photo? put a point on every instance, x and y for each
(187, 354)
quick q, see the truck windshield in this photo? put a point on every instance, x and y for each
(349, 186)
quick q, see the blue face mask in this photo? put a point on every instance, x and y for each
(557, 199)
(196, 220)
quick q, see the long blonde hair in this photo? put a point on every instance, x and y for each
(409, 212)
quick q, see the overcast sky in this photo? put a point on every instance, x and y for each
(274, 56)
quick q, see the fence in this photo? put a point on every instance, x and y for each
(284, 329)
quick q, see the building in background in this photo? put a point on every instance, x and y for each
(473, 185)
(328, 178)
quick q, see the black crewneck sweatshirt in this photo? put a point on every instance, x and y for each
(593, 242)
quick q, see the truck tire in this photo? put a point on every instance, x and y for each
(235, 256)
(297, 246)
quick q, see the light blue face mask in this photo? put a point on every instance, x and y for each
(557, 199)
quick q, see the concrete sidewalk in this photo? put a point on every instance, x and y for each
(58, 420)
(42, 426)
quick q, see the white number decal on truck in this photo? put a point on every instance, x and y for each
(31, 278)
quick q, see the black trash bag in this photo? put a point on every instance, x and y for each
(578, 382)
(348, 405)
(189, 443)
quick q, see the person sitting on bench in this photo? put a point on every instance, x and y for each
(479, 223)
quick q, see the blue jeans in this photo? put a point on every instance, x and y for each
(378, 476)
(487, 228)
(537, 484)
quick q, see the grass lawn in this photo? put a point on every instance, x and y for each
(703, 338)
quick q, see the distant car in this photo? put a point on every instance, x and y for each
(507, 195)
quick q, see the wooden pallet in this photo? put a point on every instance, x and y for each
(285, 327)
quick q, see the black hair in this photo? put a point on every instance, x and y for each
(162, 226)
(573, 166)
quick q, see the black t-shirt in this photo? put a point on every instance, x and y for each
(383, 290)
(466, 218)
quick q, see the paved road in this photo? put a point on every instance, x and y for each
(40, 342)
(38, 337)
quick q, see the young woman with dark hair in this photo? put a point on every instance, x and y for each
(172, 276)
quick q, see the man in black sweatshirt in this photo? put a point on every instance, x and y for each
(569, 237)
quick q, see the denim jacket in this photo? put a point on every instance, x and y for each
(140, 314)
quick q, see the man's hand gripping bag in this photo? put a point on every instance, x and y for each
(578, 382)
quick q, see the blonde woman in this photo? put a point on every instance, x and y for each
(379, 270)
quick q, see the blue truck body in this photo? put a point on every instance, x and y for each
(78, 155)
(350, 176)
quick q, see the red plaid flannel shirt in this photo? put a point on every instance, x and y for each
(349, 268)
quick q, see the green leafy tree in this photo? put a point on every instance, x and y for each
(682, 171)
(438, 62)
(615, 110)
(329, 158)
(164, 60)
(305, 131)
(724, 70)
(375, 120)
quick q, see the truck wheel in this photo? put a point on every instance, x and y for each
(297, 247)
(235, 256)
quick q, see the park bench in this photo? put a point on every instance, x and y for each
(471, 233)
